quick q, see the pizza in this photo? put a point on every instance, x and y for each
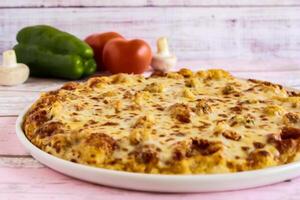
(183, 122)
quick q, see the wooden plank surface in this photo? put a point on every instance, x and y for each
(30, 85)
(12, 102)
(194, 32)
(9, 144)
(139, 3)
(22, 177)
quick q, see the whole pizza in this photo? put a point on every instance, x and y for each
(169, 123)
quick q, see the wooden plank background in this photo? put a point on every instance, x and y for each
(139, 3)
(204, 29)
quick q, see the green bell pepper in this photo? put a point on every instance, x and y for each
(50, 52)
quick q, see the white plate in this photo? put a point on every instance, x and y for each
(160, 183)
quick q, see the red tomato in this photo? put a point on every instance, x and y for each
(127, 56)
(97, 42)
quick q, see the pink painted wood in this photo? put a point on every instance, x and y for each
(9, 144)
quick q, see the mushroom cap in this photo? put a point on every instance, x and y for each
(14, 75)
(163, 63)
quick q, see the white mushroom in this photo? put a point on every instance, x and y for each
(163, 60)
(11, 72)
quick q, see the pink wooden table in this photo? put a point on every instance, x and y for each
(22, 177)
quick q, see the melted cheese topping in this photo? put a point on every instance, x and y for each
(174, 123)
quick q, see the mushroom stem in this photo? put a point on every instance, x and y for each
(9, 59)
(163, 47)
